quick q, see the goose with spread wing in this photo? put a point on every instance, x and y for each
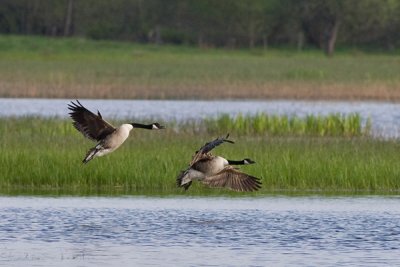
(216, 171)
(93, 126)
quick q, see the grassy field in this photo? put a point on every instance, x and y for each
(44, 156)
(78, 68)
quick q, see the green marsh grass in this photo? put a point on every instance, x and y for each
(278, 125)
(44, 155)
(78, 68)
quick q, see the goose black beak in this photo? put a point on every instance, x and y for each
(249, 161)
(157, 126)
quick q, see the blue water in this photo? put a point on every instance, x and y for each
(186, 231)
(385, 116)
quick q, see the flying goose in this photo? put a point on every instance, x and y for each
(93, 126)
(216, 171)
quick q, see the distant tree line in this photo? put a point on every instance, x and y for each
(212, 23)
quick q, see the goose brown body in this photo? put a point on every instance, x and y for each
(216, 171)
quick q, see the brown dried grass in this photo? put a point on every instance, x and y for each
(211, 90)
(75, 68)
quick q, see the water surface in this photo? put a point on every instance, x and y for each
(385, 116)
(185, 231)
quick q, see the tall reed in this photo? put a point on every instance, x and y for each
(314, 125)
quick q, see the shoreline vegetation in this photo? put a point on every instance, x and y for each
(40, 67)
(43, 156)
(317, 154)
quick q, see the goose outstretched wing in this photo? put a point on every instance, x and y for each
(89, 124)
(208, 147)
(234, 179)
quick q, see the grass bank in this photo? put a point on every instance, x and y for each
(44, 155)
(79, 68)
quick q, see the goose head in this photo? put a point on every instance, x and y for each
(157, 126)
(248, 161)
(152, 126)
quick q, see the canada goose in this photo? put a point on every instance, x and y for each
(216, 171)
(95, 128)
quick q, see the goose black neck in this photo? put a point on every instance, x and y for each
(236, 162)
(143, 126)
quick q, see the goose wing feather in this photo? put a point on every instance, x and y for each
(89, 124)
(203, 152)
(234, 179)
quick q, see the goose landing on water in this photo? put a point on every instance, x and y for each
(216, 171)
(95, 128)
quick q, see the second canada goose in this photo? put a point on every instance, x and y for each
(216, 171)
(93, 126)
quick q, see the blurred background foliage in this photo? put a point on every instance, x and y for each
(326, 25)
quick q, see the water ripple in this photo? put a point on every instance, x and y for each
(210, 232)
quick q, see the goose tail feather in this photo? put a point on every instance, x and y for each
(90, 154)
(183, 180)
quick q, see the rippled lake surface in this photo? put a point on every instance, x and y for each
(188, 231)
(385, 116)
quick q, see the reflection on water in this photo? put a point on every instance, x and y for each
(385, 116)
(134, 231)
